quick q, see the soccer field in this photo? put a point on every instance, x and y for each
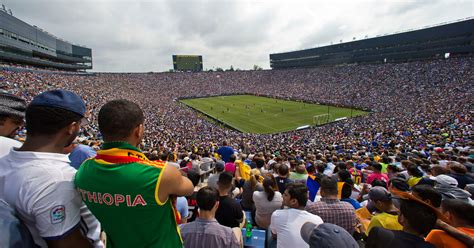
(253, 114)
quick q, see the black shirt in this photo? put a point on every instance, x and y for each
(193, 207)
(281, 183)
(229, 213)
(462, 179)
(383, 238)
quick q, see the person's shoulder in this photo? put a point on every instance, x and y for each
(46, 170)
(315, 205)
(258, 193)
(228, 200)
(279, 212)
(346, 205)
(181, 200)
(380, 231)
(85, 148)
(149, 166)
(311, 216)
(187, 227)
(8, 143)
(406, 239)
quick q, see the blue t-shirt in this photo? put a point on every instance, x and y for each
(313, 188)
(79, 154)
(353, 202)
(225, 152)
(182, 207)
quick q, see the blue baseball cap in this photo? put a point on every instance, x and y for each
(327, 235)
(61, 99)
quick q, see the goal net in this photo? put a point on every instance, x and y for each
(321, 119)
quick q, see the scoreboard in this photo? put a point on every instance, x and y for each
(187, 62)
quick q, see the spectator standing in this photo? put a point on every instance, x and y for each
(182, 208)
(192, 203)
(225, 151)
(230, 165)
(12, 112)
(229, 212)
(79, 154)
(282, 178)
(212, 180)
(129, 194)
(36, 179)
(313, 180)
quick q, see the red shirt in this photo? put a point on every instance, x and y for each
(230, 167)
(379, 176)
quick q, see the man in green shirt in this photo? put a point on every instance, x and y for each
(130, 195)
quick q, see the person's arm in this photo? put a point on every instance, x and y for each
(237, 241)
(173, 183)
(239, 215)
(237, 173)
(273, 226)
(72, 240)
(184, 211)
(463, 237)
(57, 214)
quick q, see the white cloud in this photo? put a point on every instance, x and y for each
(141, 36)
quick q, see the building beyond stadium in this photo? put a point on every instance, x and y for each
(456, 38)
(22, 43)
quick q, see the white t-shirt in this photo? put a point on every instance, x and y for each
(39, 185)
(6, 144)
(287, 223)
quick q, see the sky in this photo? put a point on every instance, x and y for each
(142, 36)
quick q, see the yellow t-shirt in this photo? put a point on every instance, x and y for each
(413, 181)
(385, 220)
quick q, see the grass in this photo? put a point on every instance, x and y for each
(253, 114)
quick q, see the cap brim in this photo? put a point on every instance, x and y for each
(307, 230)
(410, 197)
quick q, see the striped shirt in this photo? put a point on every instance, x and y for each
(335, 212)
(207, 233)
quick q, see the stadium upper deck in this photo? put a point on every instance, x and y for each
(23, 43)
(429, 43)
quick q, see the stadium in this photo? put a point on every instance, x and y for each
(401, 101)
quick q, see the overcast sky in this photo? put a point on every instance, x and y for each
(141, 36)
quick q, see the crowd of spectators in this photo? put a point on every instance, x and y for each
(413, 105)
(401, 176)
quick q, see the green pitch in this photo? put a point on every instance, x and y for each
(253, 114)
